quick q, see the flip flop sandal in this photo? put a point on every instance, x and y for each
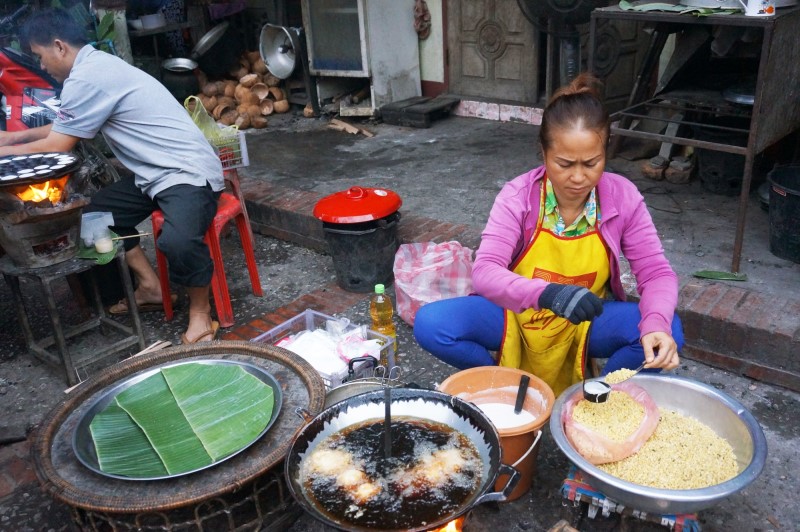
(121, 308)
(202, 337)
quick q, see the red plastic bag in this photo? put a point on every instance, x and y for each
(427, 271)
(599, 449)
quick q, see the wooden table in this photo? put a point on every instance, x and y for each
(45, 277)
(776, 109)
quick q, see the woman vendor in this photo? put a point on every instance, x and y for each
(547, 272)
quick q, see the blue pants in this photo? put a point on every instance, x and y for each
(463, 330)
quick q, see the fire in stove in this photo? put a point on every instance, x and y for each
(39, 216)
(456, 525)
(51, 190)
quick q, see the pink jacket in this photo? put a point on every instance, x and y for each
(626, 228)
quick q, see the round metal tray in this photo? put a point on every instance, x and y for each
(37, 167)
(83, 444)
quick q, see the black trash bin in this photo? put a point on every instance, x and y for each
(360, 227)
(784, 212)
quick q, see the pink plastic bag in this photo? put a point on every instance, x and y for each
(427, 271)
(598, 449)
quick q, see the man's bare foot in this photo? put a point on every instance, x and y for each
(201, 328)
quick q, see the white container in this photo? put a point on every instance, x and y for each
(154, 21)
(92, 223)
(311, 320)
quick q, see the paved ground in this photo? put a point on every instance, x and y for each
(448, 174)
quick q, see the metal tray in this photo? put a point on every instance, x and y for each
(30, 168)
(83, 443)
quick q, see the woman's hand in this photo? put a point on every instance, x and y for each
(660, 351)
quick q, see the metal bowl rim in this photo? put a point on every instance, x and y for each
(710, 493)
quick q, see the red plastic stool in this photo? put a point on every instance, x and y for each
(230, 207)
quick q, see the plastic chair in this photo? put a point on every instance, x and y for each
(230, 207)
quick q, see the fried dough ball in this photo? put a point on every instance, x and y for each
(329, 462)
(366, 491)
(351, 477)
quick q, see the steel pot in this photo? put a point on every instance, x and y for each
(178, 76)
(422, 404)
(359, 386)
(218, 50)
(726, 416)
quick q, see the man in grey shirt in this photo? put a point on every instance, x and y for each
(175, 169)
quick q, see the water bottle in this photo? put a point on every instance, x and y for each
(382, 314)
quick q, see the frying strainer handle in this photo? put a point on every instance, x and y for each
(500, 496)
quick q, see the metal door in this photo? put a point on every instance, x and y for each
(493, 51)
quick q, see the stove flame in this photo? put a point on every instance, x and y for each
(456, 525)
(49, 190)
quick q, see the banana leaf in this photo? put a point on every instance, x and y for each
(121, 446)
(152, 406)
(181, 419)
(226, 406)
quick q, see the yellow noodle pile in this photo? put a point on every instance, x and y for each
(620, 375)
(617, 418)
(682, 454)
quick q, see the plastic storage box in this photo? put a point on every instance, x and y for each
(310, 320)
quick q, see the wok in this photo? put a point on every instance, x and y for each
(422, 404)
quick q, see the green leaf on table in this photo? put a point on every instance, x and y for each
(720, 276)
(122, 447)
(226, 406)
(152, 406)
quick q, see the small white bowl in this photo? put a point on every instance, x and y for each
(136, 24)
(151, 22)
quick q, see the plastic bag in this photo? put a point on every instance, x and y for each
(211, 130)
(427, 271)
(599, 449)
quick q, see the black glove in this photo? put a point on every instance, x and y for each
(575, 303)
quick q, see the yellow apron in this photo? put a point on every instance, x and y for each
(538, 341)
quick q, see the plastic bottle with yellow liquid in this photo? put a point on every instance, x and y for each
(382, 314)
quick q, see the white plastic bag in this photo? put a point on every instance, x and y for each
(427, 271)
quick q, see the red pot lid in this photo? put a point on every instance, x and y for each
(357, 204)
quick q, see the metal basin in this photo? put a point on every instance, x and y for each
(726, 416)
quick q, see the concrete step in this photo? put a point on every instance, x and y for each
(726, 326)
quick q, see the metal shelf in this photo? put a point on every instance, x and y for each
(701, 109)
